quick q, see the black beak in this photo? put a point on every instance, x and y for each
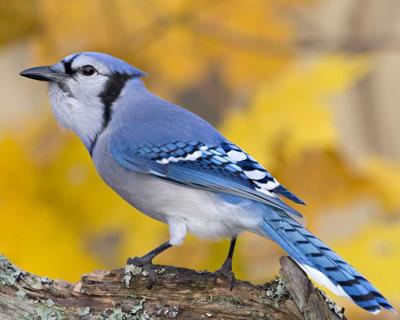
(43, 74)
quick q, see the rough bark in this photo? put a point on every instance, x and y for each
(177, 294)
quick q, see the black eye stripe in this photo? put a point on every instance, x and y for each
(68, 68)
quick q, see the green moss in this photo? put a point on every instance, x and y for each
(137, 312)
(84, 311)
(21, 294)
(130, 272)
(276, 290)
(46, 310)
(9, 274)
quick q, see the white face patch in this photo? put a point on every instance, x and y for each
(76, 102)
(86, 88)
(86, 120)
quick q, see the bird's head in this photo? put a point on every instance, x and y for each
(83, 89)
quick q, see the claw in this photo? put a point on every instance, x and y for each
(147, 266)
(226, 271)
(146, 263)
(139, 261)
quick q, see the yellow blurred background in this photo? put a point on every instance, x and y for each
(309, 88)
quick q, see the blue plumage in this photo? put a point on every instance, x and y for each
(214, 170)
(310, 252)
(216, 158)
(175, 167)
(113, 64)
(210, 167)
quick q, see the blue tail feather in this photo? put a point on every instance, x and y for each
(320, 262)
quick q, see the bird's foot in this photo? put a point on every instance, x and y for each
(147, 265)
(226, 271)
(139, 261)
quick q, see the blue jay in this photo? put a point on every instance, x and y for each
(175, 167)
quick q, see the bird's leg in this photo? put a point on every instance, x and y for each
(148, 258)
(146, 261)
(226, 269)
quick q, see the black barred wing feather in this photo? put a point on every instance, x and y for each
(223, 168)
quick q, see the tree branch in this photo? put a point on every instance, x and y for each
(178, 294)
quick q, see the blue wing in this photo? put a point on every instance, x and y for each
(219, 168)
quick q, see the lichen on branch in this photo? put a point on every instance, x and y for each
(179, 293)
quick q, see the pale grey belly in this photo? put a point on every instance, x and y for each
(205, 213)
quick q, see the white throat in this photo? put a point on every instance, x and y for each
(85, 119)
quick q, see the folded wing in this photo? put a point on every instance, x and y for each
(219, 168)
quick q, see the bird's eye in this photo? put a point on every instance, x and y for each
(88, 70)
